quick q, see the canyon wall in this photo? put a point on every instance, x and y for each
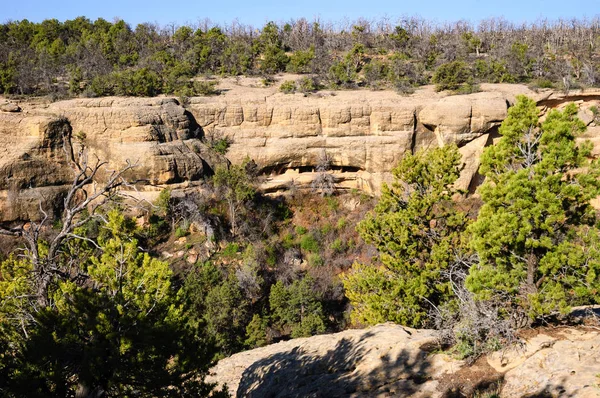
(363, 133)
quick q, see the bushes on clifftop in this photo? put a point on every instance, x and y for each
(53, 56)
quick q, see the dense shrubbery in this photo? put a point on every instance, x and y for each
(268, 268)
(530, 254)
(115, 319)
(101, 58)
(417, 230)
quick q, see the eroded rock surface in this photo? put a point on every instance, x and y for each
(386, 360)
(566, 365)
(363, 133)
(392, 361)
(155, 134)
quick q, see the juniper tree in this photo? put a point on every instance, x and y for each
(535, 232)
(416, 228)
(118, 330)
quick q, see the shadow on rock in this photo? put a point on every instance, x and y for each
(347, 369)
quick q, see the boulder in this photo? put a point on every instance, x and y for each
(564, 367)
(9, 107)
(385, 360)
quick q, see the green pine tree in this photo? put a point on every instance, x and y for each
(535, 232)
(417, 229)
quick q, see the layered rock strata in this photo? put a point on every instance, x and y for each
(155, 134)
(363, 134)
(367, 134)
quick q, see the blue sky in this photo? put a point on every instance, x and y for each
(256, 12)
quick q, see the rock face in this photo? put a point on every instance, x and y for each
(363, 133)
(366, 133)
(386, 360)
(156, 134)
(566, 365)
(391, 361)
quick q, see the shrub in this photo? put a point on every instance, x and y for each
(535, 233)
(221, 145)
(300, 61)
(300, 230)
(417, 230)
(206, 88)
(297, 307)
(288, 87)
(451, 76)
(231, 250)
(308, 85)
(338, 246)
(182, 231)
(309, 243)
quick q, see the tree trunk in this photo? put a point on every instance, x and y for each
(531, 270)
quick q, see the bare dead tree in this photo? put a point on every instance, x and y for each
(324, 182)
(478, 324)
(85, 196)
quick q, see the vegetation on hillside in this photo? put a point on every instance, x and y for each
(97, 58)
(88, 306)
(527, 256)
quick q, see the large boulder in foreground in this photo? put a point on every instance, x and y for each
(393, 361)
(386, 360)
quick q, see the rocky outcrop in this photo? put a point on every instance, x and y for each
(392, 361)
(155, 134)
(366, 133)
(562, 364)
(386, 360)
(363, 133)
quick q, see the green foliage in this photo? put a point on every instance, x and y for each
(376, 295)
(542, 83)
(288, 87)
(451, 76)
(417, 230)
(492, 71)
(226, 315)
(300, 61)
(338, 246)
(274, 58)
(535, 232)
(342, 74)
(309, 243)
(110, 58)
(231, 250)
(142, 82)
(297, 307)
(163, 202)
(122, 331)
(375, 72)
(300, 230)
(400, 37)
(182, 231)
(308, 85)
(256, 335)
(237, 188)
(220, 145)
(206, 88)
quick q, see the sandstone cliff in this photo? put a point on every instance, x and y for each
(156, 134)
(364, 133)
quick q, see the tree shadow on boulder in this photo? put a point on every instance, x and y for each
(351, 367)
